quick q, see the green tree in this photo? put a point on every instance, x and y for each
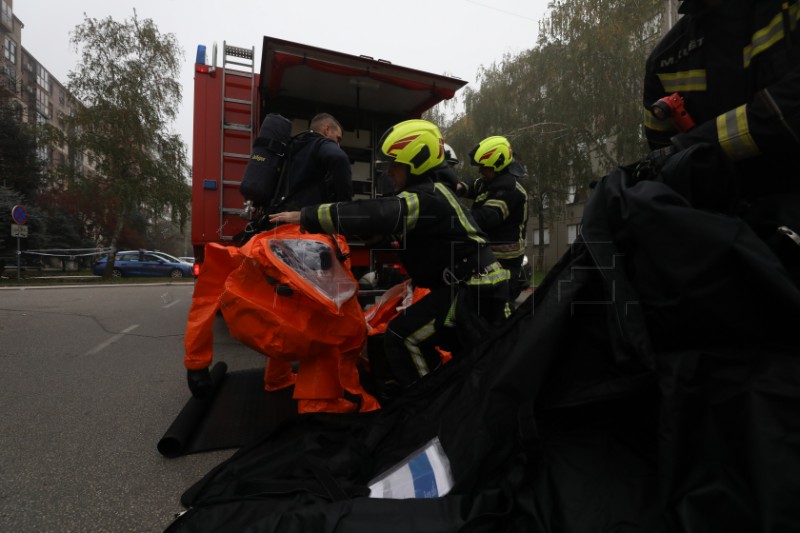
(20, 165)
(8, 247)
(571, 105)
(127, 79)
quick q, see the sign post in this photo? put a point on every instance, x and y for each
(19, 230)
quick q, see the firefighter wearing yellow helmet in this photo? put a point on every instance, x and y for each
(440, 246)
(500, 205)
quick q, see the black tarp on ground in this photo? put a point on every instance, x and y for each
(653, 385)
(239, 413)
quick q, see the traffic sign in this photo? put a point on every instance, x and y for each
(18, 230)
(19, 214)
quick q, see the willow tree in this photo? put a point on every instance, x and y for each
(127, 81)
(570, 105)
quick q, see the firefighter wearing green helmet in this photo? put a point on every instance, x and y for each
(500, 205)
(440, 246)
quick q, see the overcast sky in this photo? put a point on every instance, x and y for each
(453, 37)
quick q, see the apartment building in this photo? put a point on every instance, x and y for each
(36, 96)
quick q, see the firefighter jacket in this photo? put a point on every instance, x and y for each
(500, 208)
(319, 171)
(737, 66)
(440, 243)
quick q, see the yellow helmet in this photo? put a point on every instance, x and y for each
(416, 143)
(493, 152)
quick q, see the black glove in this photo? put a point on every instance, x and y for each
(200, 383)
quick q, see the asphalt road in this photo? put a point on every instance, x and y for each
(90, 379)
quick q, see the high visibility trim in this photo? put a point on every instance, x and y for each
(734, 135)
(450, 318)
(498, 204)
(325, 217)
(652, 123)
(770, 34)
(493, 275)
(472, 231)
(686, 80)
(481, 197)
(412, 201)
(412, 343)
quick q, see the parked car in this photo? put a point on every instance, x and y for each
(163, 255)
(144, 263)
(189, 260)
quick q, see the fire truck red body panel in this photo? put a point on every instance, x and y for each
(298, 81)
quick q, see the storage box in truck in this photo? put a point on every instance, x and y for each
(297, 81)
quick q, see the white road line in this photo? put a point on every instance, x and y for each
(112, 340)
(170, 304)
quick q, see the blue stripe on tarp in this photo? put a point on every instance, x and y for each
(422, 476)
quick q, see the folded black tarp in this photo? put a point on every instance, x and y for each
(650, 385)
(239, 413)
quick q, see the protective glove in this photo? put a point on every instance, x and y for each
(200, 383)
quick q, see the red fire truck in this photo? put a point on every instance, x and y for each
(298, 81)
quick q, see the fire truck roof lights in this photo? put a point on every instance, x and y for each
(201, 55)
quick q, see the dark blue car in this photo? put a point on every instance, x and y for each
(143, 263)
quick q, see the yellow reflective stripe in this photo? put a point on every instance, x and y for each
(499, 204)
(412, 343)
(472, 232)
(521, 189)
(412, 201)
(495, 275)
(652, 123)
(450, 318)
(481, 197)
(734, 136)
(770, 34)
(687, 80)
(326, 218)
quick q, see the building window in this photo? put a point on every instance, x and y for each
(7, 16)
(42, 103)
(536, 237)
(43, 78)
(573, 230)
(571, 190)
(10, 51)
(44, 154)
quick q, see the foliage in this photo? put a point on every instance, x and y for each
(128, 80)
(20, 165)
(571, 105)
(8, 199)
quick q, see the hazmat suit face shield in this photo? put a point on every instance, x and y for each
(316, 263)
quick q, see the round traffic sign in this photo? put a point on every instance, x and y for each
(19, 214)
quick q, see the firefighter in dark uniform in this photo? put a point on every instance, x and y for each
(734, 65)
(500, 205)
(441, 247)
(319, 170)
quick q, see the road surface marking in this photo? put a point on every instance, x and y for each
(112, 340)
